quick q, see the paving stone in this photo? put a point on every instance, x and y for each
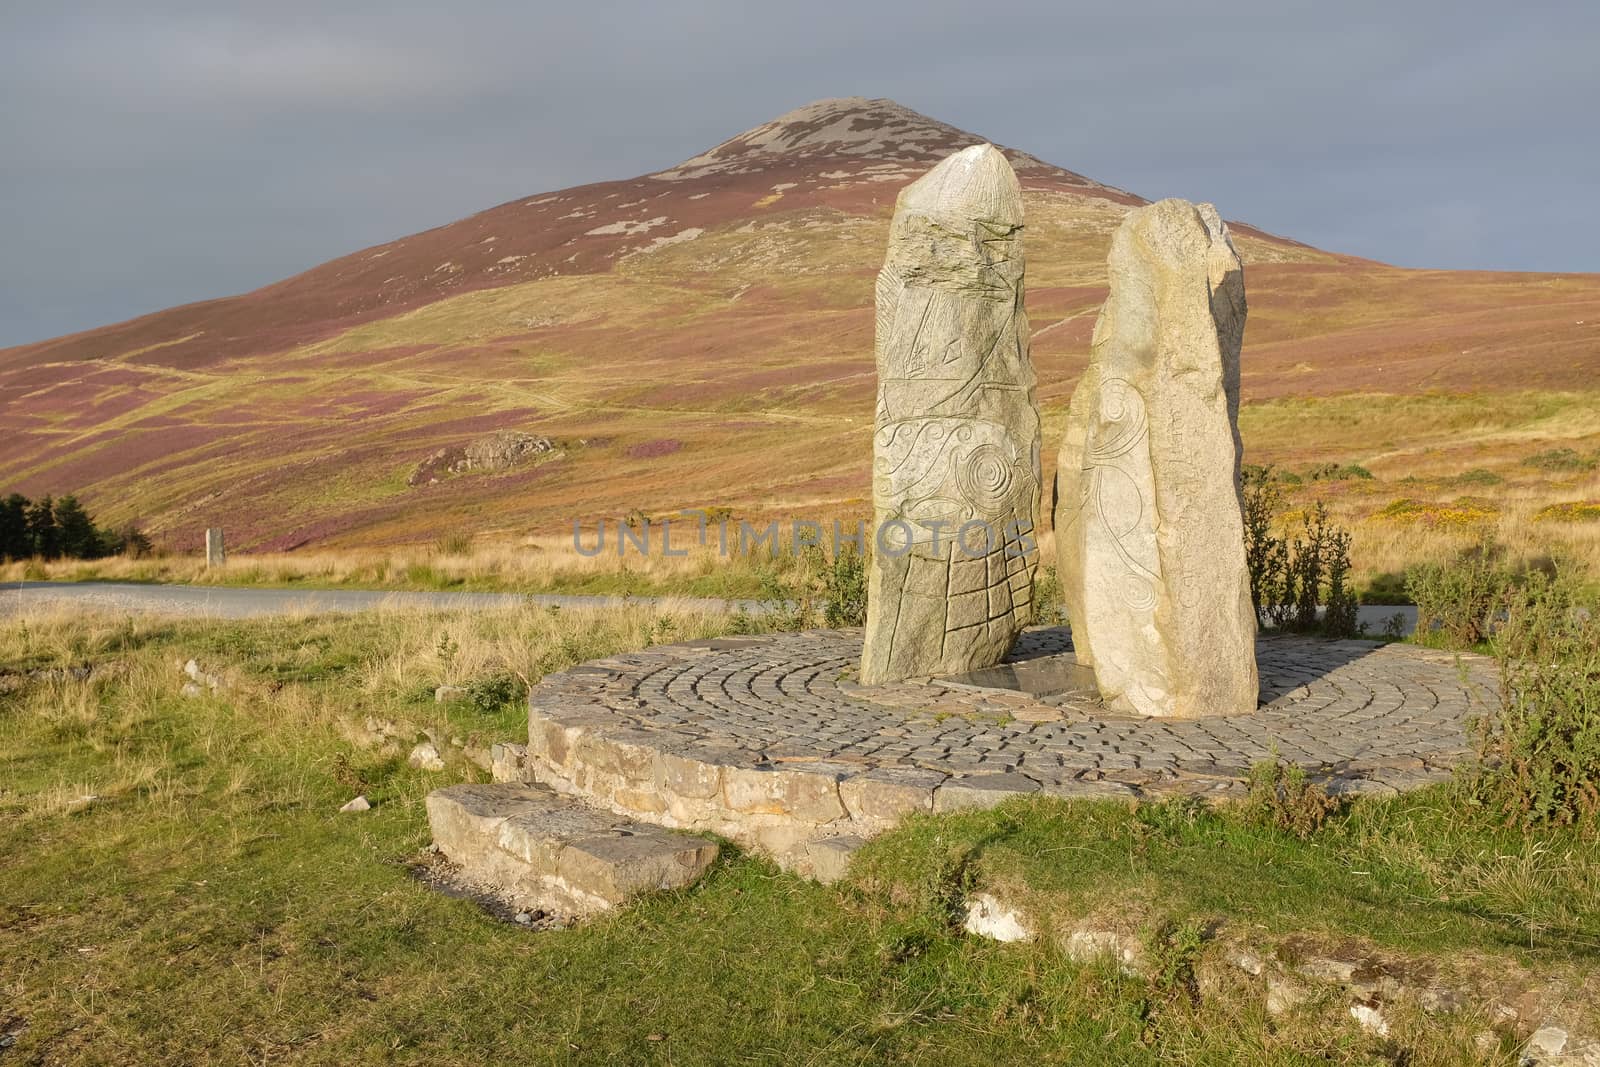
(885, 795)
(981, 791)
(768, 734)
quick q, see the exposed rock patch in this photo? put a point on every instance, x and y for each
(1540, 1012)
(499, 451)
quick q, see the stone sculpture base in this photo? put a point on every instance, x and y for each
(767, 741)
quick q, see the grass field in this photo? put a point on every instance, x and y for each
(179, 887)
(1414, 479)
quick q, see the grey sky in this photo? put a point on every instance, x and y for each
(162, 152)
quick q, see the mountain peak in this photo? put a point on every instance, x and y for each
(848, 129)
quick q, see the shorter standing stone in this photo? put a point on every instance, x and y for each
(1148, 519)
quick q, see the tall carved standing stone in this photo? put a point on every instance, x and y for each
(955, 484)
(1149, 527)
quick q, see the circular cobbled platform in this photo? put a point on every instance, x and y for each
(769, 740)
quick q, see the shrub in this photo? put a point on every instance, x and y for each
(786, 601)
(1571, 511)
(844, 587)
(129, 541)
(1405, 509)
(1339, 617)
(1333, 472)
(1477, 476)
(1283, 798)
(1049, 605)
(1466, 511)
(1457, 601)
(491, 693)
(1540, 755)
(1561, 459)
(1252, 473)
(1266, 554)
(1291, 578)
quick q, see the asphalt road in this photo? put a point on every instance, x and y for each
(236, 602)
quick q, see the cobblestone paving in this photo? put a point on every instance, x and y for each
(1364, 716)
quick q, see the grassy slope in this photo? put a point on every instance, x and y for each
(209, 905)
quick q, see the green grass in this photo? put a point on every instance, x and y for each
(211, 905)
(1365, 424)
(1415, 874)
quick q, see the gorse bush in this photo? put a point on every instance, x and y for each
(1291, 577)
(1540, 755)
(1569, 511)
(1465, 512)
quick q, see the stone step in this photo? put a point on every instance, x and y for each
(537, 849)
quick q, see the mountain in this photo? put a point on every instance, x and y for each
(699, 336)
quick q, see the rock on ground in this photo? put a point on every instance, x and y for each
(425, 757)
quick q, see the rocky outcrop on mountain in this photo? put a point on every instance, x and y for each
(499, 451)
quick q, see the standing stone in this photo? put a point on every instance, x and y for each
(955, 485)
(215, 556)
(1149, 525)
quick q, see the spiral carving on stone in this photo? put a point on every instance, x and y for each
(1122, 412)
(987, 479)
